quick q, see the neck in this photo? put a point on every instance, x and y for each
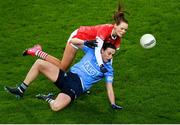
(113, 34)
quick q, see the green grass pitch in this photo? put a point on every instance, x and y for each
(146, 84)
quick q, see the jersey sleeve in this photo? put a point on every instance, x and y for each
(109, 76)
(102, 32)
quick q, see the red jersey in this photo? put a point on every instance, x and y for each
(102, 31)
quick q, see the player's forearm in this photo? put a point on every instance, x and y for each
(110, 93)
(111, 97)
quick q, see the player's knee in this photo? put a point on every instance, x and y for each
(56, 107)
(40, 63)
(61, 101)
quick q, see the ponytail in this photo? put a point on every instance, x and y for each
(119, 15)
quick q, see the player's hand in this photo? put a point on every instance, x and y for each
(90, 43)
(103, 69)
(116, 107)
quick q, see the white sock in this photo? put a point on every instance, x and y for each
(41, 54)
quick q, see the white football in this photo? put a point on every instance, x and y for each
(148, 41)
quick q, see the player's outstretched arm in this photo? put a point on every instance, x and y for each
(110, 93)
(111, 96)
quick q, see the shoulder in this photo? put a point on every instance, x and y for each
(106, 26)
(109, 67)
(104, 31)
(87, 49)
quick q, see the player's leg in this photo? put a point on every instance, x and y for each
(64, 64)
(68, 57)
(53, 60)
(61, 101)
(36, 50)
(71, 50)
(68, 92)
(40, 66)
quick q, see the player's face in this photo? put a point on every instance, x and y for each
(108, 54)
(120, 30)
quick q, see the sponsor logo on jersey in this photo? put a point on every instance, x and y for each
(90, 69)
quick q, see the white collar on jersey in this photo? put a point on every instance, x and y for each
(113, 36)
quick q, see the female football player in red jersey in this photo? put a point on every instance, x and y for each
(84, 35)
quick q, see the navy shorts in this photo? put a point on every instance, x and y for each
(69, 83)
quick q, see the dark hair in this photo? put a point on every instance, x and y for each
(108, 45)
(119, 15)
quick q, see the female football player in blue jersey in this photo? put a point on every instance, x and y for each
(78, 80)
